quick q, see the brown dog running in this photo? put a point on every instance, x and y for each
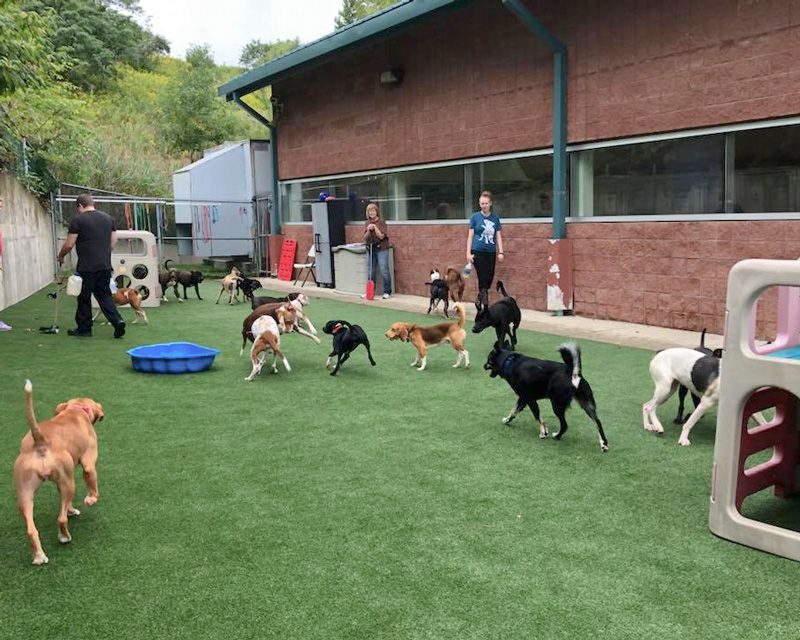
(424, 337)
(50, 451)
(455, 283)
(127, 295)
(230, 283)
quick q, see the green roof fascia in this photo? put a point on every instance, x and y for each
(379, 24)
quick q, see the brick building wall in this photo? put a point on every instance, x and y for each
(477, 83)
(658, 273)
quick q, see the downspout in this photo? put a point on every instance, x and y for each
(559, 50)
(275, 218)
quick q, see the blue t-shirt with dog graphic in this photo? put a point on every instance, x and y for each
(485, 227)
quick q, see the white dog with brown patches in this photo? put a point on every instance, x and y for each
(50, 451)
(267, 334)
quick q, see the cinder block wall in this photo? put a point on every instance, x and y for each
(658, 273)
(27, 243)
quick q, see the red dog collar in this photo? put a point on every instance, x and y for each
(84, 408)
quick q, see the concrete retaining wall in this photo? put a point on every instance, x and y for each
(27, 263)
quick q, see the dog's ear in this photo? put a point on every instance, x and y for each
(99, 414)
(717, 353)
(60, 407)
(404, 333)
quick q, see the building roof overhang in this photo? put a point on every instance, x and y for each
(378, 25)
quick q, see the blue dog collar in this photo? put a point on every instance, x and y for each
(506, 366)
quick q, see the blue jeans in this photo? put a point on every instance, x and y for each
(380, 262)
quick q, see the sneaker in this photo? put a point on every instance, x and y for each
(119, 330)
(386, 296)
(79, 334)
(4, 326)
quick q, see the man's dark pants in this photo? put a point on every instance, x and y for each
(95, 282)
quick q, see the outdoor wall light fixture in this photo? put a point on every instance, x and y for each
(392, 76)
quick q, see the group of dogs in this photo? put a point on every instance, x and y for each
(50, 450)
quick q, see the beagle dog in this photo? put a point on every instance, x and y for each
(130, 296)
(50, 451)
(424, 337)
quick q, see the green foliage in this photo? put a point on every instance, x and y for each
(195, 118)
(96, 37)
(27, 58)
(353, 10)
(255, 53)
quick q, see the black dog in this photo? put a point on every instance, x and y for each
(439, 291)
(187, 279)
(257, 301)
(504, 315)
(247, 286)
(533, 379)
(346, 337)
(682, 391)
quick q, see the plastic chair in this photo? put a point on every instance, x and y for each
(310, 267)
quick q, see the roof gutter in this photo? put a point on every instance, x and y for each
(275, 214)
(559, 50)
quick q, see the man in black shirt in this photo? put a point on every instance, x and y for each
(93, 234)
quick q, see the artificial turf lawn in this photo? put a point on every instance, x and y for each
(383, 503)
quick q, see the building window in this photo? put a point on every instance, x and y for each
(667, 177)
(767, 170)
(521, 187)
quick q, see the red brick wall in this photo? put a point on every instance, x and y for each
(658, 273)
(478, 83)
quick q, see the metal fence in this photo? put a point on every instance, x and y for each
(209, 229)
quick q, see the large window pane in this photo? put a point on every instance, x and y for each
(682, 176)
(428, 194)
(521, 188)
(767, 170)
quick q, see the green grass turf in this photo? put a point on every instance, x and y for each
(384, 503)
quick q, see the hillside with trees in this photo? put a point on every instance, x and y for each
(90, 96)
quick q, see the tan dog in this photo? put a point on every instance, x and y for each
(267, 337)
(455, 283)
(424, 337)
(126, 295)
(230, 283)
(50, 451)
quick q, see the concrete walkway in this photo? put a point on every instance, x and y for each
(577, 327)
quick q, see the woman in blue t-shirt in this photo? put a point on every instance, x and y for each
(484, 246)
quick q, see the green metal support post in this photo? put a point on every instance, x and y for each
(559, 50)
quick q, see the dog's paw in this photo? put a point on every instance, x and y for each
(507, 419)
(604, 448)
(557, 436)
(72, 511)
(40, 559)
(544, 434)
(90, 500)
(64, 539)
(684, 442)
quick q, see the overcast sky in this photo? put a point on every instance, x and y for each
(227, 26)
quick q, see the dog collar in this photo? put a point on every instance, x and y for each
(506, 366)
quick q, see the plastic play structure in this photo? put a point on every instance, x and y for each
(754, 378)
(135, 264)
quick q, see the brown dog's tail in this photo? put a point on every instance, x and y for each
(38, 438)
(462, 315)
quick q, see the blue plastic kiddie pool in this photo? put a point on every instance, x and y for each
(172, 357)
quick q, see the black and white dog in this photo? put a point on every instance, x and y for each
(698, 372)
(533, 379)
(682, 390)
(346, 337)
(504, 315)
(439, 291)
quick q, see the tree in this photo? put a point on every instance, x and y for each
(96, 36)
(27, 58)
(256, 53)
(353, 10)
(195, 118)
